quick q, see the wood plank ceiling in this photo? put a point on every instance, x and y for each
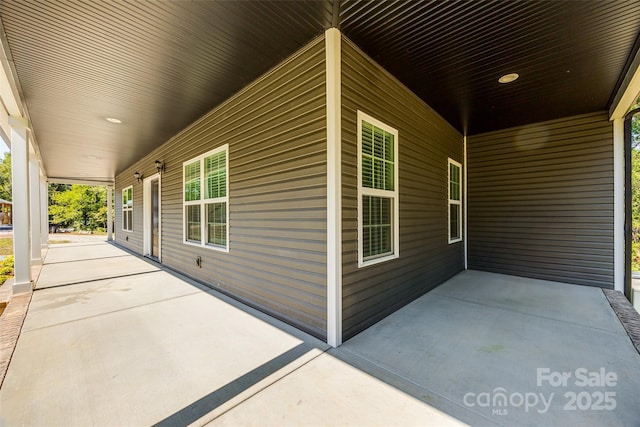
(158, 66)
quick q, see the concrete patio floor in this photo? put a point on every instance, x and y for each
(111, 339)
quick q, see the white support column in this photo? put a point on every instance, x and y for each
(333, 58)
(464, 203)
(44, 213)
(618, 205)
(109, 215)
(20, 209)
(35, 211)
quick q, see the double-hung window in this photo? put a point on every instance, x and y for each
(378, 207)
(127, 208)
(455, 201)
(206, 199)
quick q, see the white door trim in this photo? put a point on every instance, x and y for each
(146, 212)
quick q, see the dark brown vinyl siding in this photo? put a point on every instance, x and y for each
(276, 131)
(425, 142)
(541, 200)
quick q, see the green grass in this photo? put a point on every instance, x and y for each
(6, 246)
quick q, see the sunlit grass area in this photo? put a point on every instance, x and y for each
(6, 246)
(58, 241)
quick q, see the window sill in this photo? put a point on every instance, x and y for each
(205, 246)
(375, 261)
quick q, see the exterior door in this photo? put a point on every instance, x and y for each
(152, 217)
(155, 219)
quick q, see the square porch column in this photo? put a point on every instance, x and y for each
(44, 213)
(20, 198)
(35, 211)
(109, 215)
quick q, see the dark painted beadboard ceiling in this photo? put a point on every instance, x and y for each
(160, 65)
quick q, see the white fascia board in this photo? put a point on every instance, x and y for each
(7, 95)
(628, 92)
(81, 181)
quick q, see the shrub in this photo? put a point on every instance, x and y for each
(6, 269)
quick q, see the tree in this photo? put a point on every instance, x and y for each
(5, 177)
(635, 188)
(82, 207)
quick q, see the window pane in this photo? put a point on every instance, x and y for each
(367, 172)
(130, 220)
(193, 223)
(389, 175)
(454, 182)
(217, 224)
(376, 230)
(377, 158)
(454, 221)
(378, 143)
(388, 138)
(215, 172)
(367, 138)
(454, 191)
(192, 181)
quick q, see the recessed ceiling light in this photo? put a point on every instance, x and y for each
(508, 78)
(82, 174)
(92, 157)
(113, 120)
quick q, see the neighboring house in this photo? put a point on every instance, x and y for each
(328, 195)
(5, 212)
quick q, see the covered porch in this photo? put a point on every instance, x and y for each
(79, 107)
(112, 338)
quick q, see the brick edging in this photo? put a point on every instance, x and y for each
(627, 315)
(11, 323)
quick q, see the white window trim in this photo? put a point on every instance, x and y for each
(454, 202)
(126, 209)
(364, 191)
(203, 202)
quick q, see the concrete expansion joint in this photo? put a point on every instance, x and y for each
(81, 282)
(268, 385)
(111, 312)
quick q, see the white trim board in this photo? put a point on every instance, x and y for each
(333, 58)
(146, 211)
(392, 194)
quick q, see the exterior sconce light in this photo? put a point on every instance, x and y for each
(159, 166)
(137, 175)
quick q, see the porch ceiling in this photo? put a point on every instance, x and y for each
(158, 66)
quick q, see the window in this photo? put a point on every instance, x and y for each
(455, 201)
(127, 208)
(378, 206)
(206, 200)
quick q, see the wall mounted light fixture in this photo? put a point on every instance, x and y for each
(137, 175)
(159, 166)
